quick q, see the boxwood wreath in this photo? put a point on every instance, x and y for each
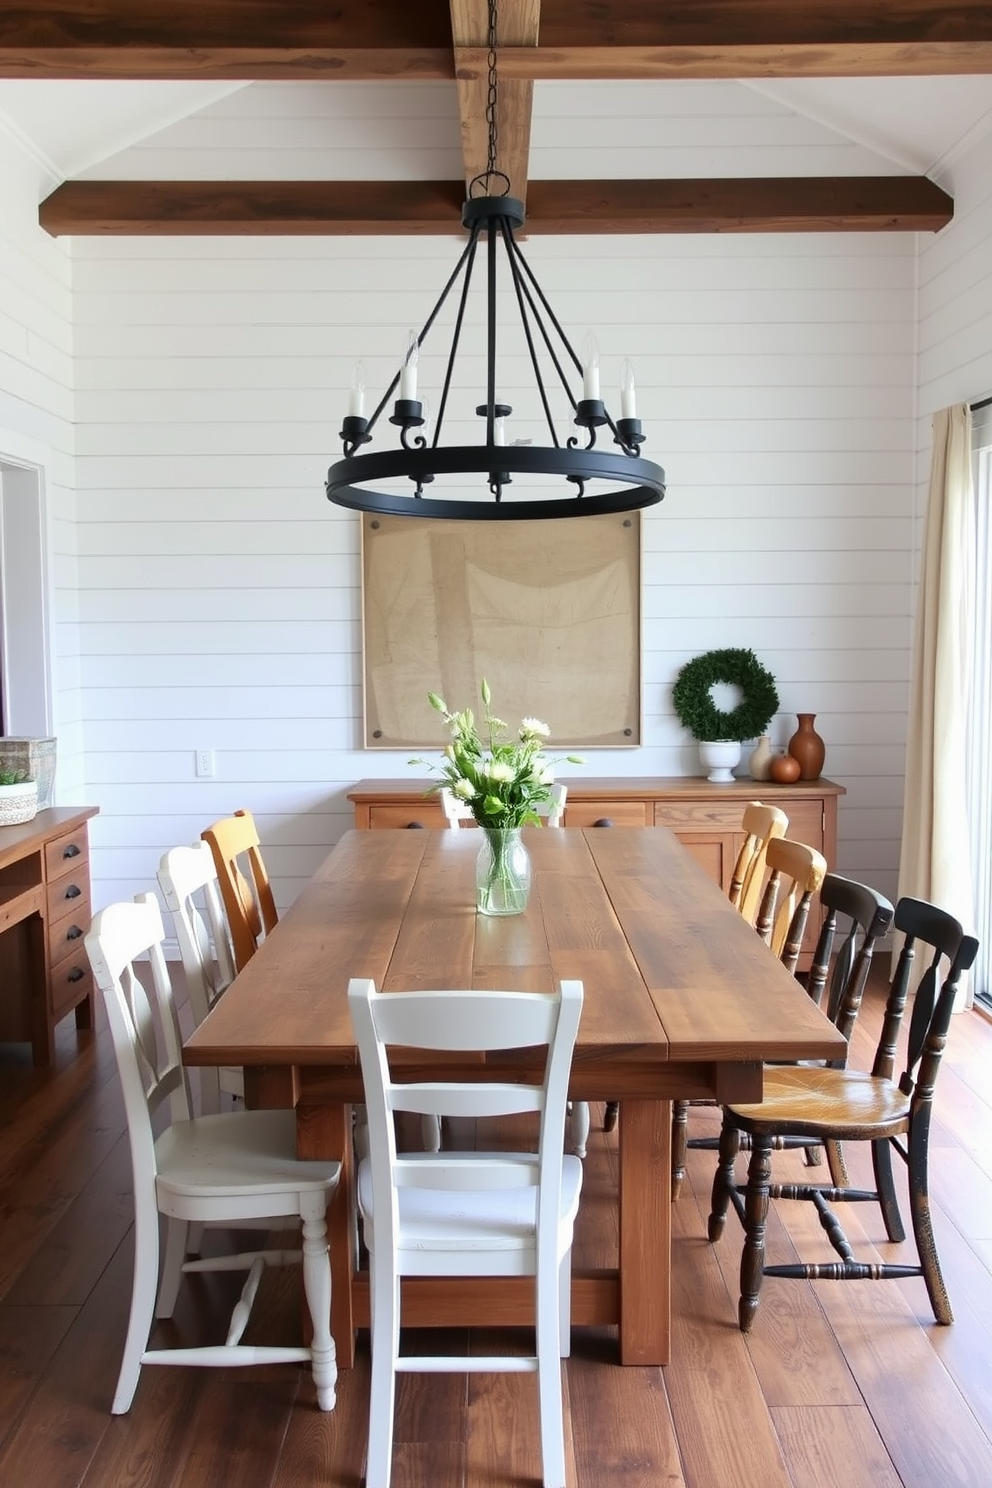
(693, 699)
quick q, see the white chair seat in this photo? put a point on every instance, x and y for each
(247, 1157)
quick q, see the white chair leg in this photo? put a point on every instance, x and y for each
(176, 1243)
(385, 1350)
(317, 1287)
(565, 1306)
(549, 1385)
(142, 1307)
(580, 1127)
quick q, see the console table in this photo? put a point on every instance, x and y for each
(705, 818)
(44, 915)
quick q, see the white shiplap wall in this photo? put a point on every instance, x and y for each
(219, 592)
(36, 414)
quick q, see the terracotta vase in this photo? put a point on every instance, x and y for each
(760, 759)
(808, 748)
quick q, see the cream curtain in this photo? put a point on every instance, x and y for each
(935, 859)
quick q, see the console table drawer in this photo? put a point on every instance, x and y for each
(70, 980)
(700, 816)
(67, 851)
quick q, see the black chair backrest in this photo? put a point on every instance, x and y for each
(871, 915)
(923, 923)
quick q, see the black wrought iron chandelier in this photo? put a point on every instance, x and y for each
(562, 479)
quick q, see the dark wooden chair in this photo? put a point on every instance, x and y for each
(248, 900)
(830, 1105)
(796, 872)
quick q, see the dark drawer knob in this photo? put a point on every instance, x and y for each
(604, 821)
(73, 891)
(76, 974)
(416, 825)
(72, 851)
(73, 932)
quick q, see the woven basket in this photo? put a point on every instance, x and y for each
(18, 803)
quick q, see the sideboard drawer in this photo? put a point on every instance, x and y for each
(616, 813)
(422, 814)
(699, 816)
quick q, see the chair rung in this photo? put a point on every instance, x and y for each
(222, 1356)
(464, 1364)
(245, 1260)
(844, 1271)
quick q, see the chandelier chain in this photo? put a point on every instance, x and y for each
(492, 97)
(491, 177)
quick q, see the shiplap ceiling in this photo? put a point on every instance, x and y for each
(618, 104)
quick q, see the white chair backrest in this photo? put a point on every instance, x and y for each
(151, 1069)
(187, 877)
(465, 1021)
(556, 805)
(456, 812)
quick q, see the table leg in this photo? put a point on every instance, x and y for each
(323, 1131)
(645, 1231)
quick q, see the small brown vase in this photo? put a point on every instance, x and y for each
(808, 748)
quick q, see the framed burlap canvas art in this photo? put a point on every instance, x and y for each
(548, 612)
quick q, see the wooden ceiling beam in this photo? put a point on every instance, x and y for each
(517, 27)
(367, 39)
(343, 208)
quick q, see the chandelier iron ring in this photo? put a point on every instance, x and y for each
(642, 482)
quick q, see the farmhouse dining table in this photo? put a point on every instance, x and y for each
(682, 999)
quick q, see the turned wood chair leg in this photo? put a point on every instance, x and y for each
(838, 1167)
(723, 1180)
(610, 1115)
(881, 1157)
(926, 1245)
(755, 1219)
(680, 1139)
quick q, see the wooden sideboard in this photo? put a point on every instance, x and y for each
(705, 818)
(44, 915)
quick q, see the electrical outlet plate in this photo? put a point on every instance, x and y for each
(206, 766)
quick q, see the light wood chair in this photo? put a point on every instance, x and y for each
(187, 877)
(796, 872)
(244, 884)
(212, 1170)
(457, 812)
(829, 1105)
(475, 1213)
(761, 824)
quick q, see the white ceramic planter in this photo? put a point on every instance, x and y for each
(18, 803)
(719, 756)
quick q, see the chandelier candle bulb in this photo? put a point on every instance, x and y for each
(628, 400)
(356, 397)
(408, 375)
(590, 368)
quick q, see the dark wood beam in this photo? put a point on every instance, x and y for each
(518, 27)
(341, 208)
(252, 39)
(354, 39)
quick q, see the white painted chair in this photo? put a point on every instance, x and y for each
(456, 812)
(187, 877)
(477, 1213)
(212, 1170)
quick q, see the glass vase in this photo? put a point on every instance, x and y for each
(502, 872)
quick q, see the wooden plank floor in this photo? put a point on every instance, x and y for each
(838, 1384)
